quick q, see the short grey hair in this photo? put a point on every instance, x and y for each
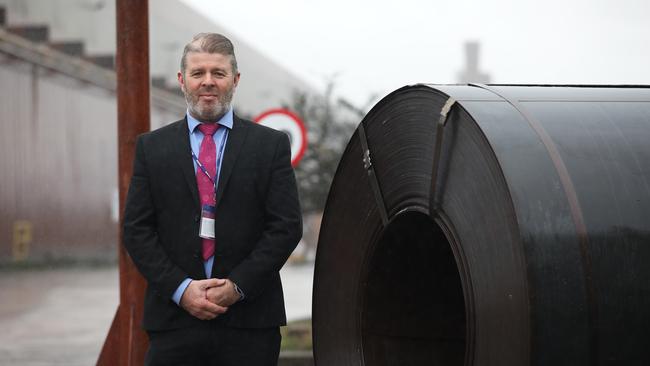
(210, 43)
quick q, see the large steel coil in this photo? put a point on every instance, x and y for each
(490, 225)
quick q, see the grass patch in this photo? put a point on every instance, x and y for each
(296, 336)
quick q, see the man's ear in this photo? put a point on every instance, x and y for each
(236, 81)
(181, 80)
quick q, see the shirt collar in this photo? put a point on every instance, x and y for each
(225, 121)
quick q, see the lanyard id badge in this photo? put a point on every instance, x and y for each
(206, 228)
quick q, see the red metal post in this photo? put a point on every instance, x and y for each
(126, 342)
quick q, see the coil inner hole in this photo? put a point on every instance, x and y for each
(413, 310)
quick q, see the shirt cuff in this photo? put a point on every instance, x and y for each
(180, 290)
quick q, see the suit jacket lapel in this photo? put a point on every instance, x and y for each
(236, 138)
(184, 154)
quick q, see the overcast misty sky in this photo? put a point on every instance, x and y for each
(374, 47)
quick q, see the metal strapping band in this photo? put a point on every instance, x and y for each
(372, 177)
(576, 214)
(442, 121)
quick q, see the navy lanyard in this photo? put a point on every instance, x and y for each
(214, 180)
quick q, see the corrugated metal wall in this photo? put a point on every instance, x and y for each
(58, 165)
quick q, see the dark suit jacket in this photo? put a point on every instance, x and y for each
(258, 222)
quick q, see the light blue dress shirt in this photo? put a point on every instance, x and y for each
(220, 138)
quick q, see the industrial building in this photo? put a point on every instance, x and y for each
(58, 124)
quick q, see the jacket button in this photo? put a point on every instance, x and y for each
(197, 218)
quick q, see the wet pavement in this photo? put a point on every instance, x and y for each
(61, 316)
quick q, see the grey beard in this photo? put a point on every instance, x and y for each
(210, 114)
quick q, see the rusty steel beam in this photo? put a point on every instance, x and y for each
(126, 342)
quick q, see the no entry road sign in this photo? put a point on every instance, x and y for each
(287, 122)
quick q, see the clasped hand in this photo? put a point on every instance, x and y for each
(207, 299)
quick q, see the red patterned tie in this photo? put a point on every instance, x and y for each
(207, 157)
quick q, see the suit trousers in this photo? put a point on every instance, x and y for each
(213, 344)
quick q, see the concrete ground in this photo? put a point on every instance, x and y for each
(61, 316)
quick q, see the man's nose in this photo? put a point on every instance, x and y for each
(208, 80)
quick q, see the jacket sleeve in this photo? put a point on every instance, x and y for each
(282, 226)
(140, 235)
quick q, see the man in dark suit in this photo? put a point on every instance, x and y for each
(211, 216)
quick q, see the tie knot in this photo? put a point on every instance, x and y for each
(208, 129)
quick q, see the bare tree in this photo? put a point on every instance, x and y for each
(329, 126)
